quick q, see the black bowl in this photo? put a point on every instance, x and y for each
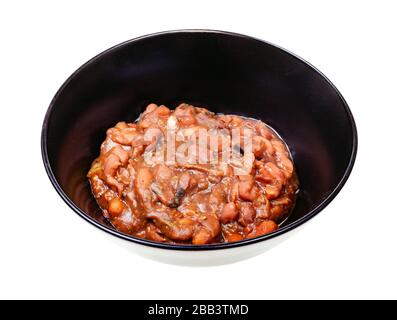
(228, 73)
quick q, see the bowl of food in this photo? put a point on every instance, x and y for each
(198, 147)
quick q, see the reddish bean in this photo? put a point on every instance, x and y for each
(233, 237)
(124, 136)
(279, 146)
(258, 146)
(272, 191)
(247, 214)
(175, 229)
(229, 213)
(121, 153)
(163, 111)
(264, 227)
(185, 114)
(184, 181)
(247, 189)
(112, 163)
(211, 223)
(202, 236)
(286, 165)
(150, 108)
(116, 207)
(153, 233)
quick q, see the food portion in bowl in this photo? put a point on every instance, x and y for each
(190, 176)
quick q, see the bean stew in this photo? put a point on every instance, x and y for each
(190, 176)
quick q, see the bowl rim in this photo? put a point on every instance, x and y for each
(188, 247)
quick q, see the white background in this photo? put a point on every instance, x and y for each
(348, 251)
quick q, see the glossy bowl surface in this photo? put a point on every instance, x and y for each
(226, 72)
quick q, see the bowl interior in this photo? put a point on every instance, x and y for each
(224, 72)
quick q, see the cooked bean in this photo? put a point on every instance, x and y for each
(264, 227)
(279, 146)
(277, 213)
(233, 194)
(175, 229)
(127, 223)
(144, 178)
(235, 122)
(163, 111)
(184, 181)
(287, 165)
(233, 237)
(121, 125)
(229, 213)
(112, 162)
(185, 114)
(210, 228)
(258, 146)
(247, 214)
(142, 183)
(116, 157)
(247, 189)
(264, 131)
(164, 173)
(164, 194)
(202, 236)
(274, 171)
(121, 153)
(95, 170)
(211, 223)
(268, 147)
(150, 108)
(123, 175)
(153, 233)
(272, 191)
(124, 136)
(274, 179)
(114, 183)
(116, 207)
